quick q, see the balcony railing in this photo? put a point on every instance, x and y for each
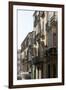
(36, 60)
(53, 20)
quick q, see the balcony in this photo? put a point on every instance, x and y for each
(53, 20)
(51, 23)
(52, 51)
(38, 37)
(37, 60)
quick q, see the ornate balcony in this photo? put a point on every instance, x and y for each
(53, 20)
(51, 23)
(52, 51)
(36, 60)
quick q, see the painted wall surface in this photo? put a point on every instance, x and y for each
(4, 44)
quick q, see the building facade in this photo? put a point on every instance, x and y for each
(39, 48)
(45, 25)
(18, 64)
(27, 52)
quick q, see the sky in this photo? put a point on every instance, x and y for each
(25, 24)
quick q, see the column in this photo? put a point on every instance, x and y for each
(39, 73)
(36, 72)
